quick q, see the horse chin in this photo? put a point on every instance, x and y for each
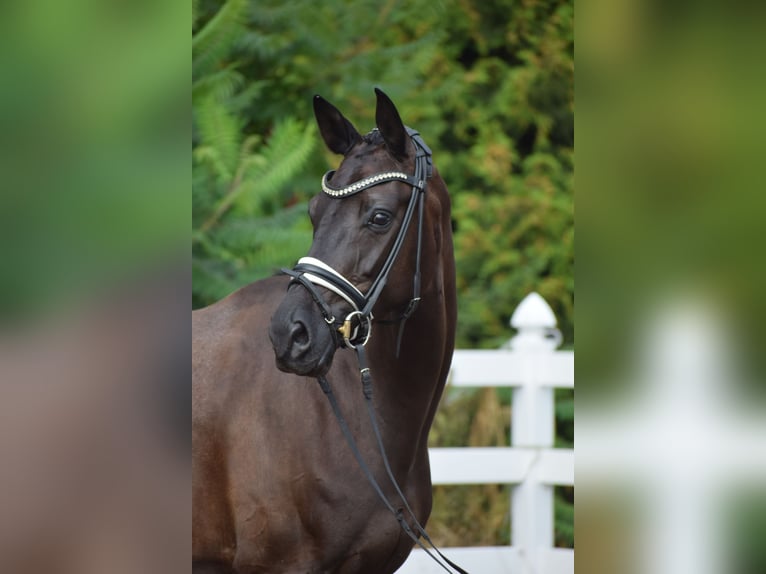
(315, 368)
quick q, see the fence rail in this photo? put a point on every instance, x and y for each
(533, 369)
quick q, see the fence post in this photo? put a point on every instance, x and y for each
(532, 427)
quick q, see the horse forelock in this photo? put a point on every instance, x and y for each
(371, 142)
(373, 137)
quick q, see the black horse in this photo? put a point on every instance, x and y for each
(276, 489)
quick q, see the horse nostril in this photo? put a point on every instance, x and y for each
(299, 334)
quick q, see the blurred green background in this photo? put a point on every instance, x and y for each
(93, 128)
(490, 85)
(671, 212)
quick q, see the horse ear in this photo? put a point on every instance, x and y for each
(390, 126)
(337, 132)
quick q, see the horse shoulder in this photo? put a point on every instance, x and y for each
(223, 338)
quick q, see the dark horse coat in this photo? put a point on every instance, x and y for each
(275, 486)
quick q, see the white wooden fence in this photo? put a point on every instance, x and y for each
(533, 368)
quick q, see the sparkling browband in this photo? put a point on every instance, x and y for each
(363, 184)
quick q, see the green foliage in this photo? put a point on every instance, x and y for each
(240, 229)
(744, 517)
(213, 42)
(490, 85)
(563, 515)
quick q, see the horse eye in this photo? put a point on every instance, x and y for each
(380, 219)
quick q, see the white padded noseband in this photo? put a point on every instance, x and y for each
(326, 284)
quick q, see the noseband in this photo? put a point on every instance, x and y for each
(311, 272)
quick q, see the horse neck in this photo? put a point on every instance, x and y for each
(408, 387)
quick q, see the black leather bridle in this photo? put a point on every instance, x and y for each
(313, 273)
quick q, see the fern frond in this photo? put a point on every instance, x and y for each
(209, 156)
(246, 234)
(216, 39)
(264, 46)
(206, 189)
(219, 130)
(287, 152)
(280, 251)
(221, 84)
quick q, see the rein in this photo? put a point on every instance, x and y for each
(311, 272)
(366, 376)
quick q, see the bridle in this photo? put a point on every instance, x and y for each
(312, 273)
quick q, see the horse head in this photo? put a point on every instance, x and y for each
(364, 262)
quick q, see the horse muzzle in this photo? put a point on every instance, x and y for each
(302, 342)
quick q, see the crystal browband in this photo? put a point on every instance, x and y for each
(363, 184)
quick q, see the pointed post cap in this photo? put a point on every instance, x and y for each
(533, 312)
(536, 325)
